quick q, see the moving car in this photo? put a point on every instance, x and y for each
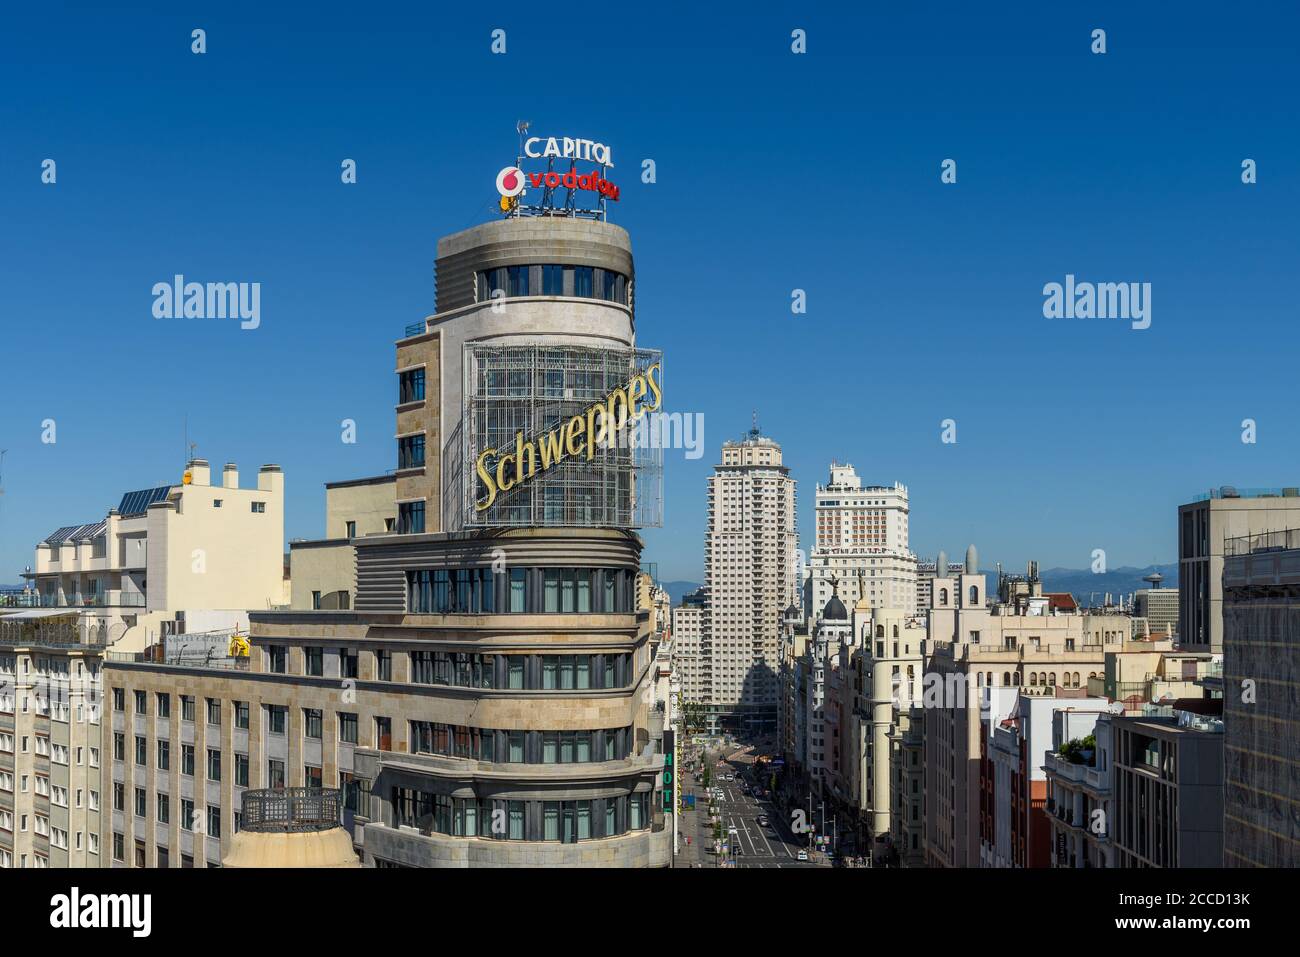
(762, 820)
(802, 856)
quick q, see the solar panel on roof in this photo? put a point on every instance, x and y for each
(135, 503)
(75, 533)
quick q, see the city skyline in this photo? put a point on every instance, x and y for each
(949, 277)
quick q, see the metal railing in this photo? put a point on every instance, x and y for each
(285, 810)
(1229, 491)
(1278, 541)
(414, 329)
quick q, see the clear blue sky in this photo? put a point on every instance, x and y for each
(775, 172)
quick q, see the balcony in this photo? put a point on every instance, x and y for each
(291, 810)
(109, 599)
(1065, 769)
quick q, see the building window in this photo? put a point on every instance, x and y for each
(350, 529)
(241, 714)
(279, 659)
(553, 280)
(315, 657)
(348, 663)
(187, 760)
(214, 764)
(410, 518)
(164, 755)
(384, 665)
(164, 704)
(275, 773)
(187, 708)
(410, 386)
(241, 770)
(410, 452)
(259, 507)
(214, 711)
(517, 280)
(277, 718)
(141, 750)
(347, 727)
(312, 723)
(214, 821)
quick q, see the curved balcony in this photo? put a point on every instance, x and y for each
(291, 810)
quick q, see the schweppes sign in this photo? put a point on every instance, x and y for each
(579, 437)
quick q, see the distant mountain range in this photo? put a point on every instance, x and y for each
(677, 589)
(1083, 583)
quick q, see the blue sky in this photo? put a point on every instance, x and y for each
(775, 171)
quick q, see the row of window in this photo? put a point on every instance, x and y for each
(277, 722)
(564, 821)
(521, 672)
(163, 707)
(552, 279)
(443, 591)
(520, 747)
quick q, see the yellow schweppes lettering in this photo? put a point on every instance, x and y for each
(579, 434)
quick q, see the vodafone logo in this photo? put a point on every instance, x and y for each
(572, 180)
(510, 181)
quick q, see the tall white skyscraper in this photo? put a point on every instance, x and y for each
(862, 543)
(749, 571)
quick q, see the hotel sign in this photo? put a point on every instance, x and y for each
(596, 426)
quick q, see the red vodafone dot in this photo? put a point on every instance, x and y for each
(510, 181)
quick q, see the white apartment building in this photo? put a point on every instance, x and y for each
(688, 635)
(173, 558)
(861, 541)
(49, 743)
(749, 570)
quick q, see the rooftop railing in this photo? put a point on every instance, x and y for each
(290, 810)
(1278, 541)
(1229, 491)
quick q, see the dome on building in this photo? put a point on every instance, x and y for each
(972, 560)
(792, 613)
(291, 827)
(835, 610)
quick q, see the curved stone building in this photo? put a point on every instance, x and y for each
(483, 694)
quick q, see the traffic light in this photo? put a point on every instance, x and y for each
(670, 747)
